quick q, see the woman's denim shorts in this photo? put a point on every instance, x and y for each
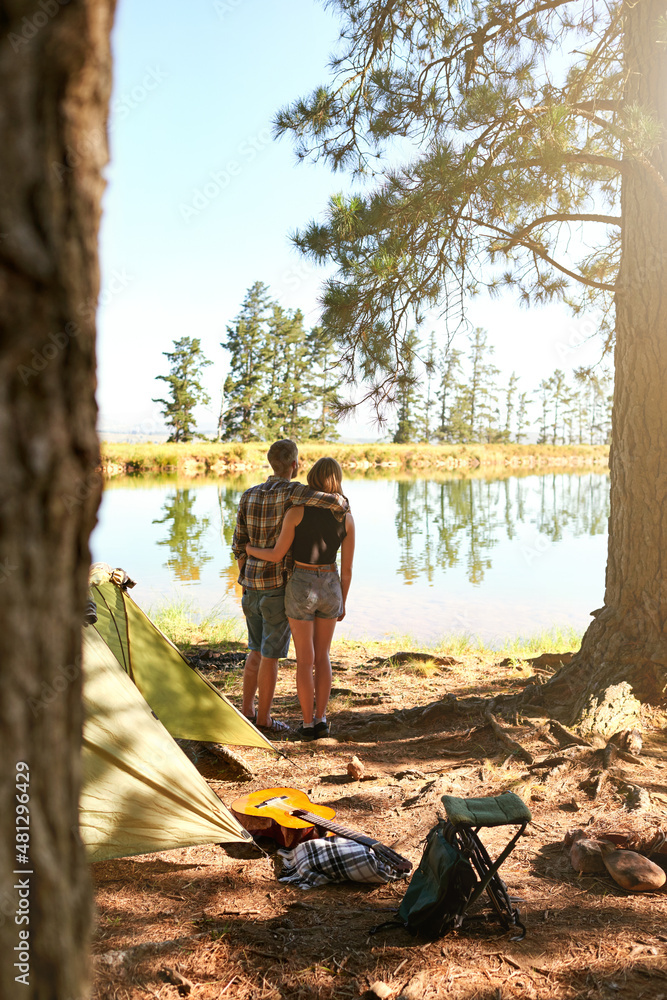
(313, 593)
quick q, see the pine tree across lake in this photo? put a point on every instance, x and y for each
(185, 389)
(283, 381)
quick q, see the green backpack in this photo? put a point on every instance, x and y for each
(439, 890)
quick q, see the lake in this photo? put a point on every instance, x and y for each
(436, 555)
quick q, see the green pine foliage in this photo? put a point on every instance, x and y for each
(475, 407)
(282, 381)
(292, 378)
(251, 366)
(325, 385)
(495, 132)
(407, 393)
(186, 362)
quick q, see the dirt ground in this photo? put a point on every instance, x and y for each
(217, 919)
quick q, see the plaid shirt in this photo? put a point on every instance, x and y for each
(259, 519)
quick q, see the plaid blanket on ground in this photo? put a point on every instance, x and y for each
(333, 859)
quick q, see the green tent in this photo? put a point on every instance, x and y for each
(140, 792)
(185, 702)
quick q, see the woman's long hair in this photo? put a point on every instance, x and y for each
(326, 475)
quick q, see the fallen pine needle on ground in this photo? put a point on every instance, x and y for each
(213, 921)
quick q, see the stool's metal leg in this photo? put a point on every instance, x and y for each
(466, 839)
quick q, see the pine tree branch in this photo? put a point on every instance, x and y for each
(514, 238)
(610, 220)
(594, 159)
(622, 166)
(600, 122)
(603, 286)
(599, 105)
(476, 40)
(599, 48)
(585, 112)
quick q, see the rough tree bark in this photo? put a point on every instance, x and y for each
(623, 658)
(55, 81)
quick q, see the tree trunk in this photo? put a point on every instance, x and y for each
(55, 80)
(627, 641)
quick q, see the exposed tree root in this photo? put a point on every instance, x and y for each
(595, 783)
(565, 737)
(548, 762)
(195, 750)
(546, 663)
(232, 758)
(622, 663)
(174, 977)
(137, 951)
(598, 759)
(502, 735)
(407, 657)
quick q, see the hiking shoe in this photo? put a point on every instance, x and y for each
(305, 733)
(320, 731)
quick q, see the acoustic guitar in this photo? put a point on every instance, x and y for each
(289, 817)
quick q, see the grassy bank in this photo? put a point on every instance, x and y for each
(188, 631)
(206, 458)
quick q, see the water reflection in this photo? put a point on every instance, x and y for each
(579, 504)
(185, 537)
(451, 522)
(459, 521)
(451, 552)
(229, 494)
(439, 524)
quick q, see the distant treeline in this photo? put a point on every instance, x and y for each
(202, 458)
(454, 396)
(284, 382)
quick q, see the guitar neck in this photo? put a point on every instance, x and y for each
(327, 824)
(388, 855)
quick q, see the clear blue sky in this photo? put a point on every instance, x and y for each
(201, 200)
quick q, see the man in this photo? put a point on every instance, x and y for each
(260, 515)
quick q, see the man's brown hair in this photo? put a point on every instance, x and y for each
(281, 454)
(326, 475)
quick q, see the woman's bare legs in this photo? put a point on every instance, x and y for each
(312, 640)
(324, 630)
(303, 634)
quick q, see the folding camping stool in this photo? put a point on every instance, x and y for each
(465, 818)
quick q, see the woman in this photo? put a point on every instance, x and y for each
(315, 594)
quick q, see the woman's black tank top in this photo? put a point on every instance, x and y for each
(318, 538)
